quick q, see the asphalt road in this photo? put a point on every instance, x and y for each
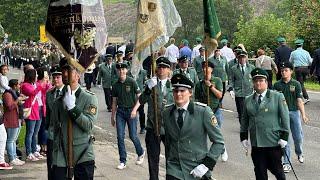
(239, 166)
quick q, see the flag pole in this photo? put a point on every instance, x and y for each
(206, 75)
(154, 93)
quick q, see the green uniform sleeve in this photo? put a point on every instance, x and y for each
(114, 91)
(219, 85)
(99, 75)
(84, 117)
(284, 115)
(299, 90)
(197, 92)
(215, 136)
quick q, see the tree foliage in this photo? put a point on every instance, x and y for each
(306, 19)
(229, 13)
(192, 20)
(21, 19)
(261, 31)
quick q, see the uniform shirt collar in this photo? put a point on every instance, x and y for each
(263, 94)
(185, 107)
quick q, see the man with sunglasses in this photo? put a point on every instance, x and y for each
(187, 125)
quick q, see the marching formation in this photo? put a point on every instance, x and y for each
(183, 91)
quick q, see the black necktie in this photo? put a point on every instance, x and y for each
(242, 70)
(160, 84)
(57, 93)
(259, 99)
(180, 118)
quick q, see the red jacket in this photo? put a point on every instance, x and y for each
(29, 90)
(10, 116)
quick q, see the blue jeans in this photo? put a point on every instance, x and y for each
(219, 117)
(123, 117)
(297, 135)
(12, 136)
(32, 129)
(43, 134)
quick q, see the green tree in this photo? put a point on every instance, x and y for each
(261, 31)
(306, 18)
(229, 13)
(191, 13)
(21, 19)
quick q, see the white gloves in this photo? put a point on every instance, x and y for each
(152, 82)
(232, 94)
(99, 86)
(282, 143)
(199, 171)
(245, 143)
(69, 99)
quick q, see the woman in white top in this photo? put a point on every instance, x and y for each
(265, 62)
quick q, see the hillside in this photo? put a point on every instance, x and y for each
(121, 16)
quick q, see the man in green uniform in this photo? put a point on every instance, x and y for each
(163, 94)
(188, 125)
(291, 90)
(266, 118)
(81, 107)
(198, 63)
(220, 69)
(231, 63)
(51, 96)
(141, 80)
(119, 59)
(184, 69)
(124, 95)
(105, 75)
(240, 81)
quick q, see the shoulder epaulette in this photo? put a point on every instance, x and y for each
(168, 105)
(200, 104)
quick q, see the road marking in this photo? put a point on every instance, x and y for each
(100, 128)
(227, 110)
(313, 127)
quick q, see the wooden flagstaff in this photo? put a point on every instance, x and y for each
(69, 138)
(154, 93)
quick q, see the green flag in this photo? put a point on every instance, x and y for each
(211, 24)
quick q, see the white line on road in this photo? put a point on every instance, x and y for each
(100, 128)
(227, 110)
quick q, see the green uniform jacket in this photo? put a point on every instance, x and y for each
(141, 79)
(230, 65)
(241, 84)
(82, 116)
(191, 74)
(162, 100)
(200, 92)
(105, 74)
(220, 68)
(266, 123)
(291, 91)
(49, 104)
(198, 66)
(187, 148)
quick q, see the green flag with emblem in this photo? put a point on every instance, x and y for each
(212, 29)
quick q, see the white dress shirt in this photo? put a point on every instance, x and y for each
(172, 53)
